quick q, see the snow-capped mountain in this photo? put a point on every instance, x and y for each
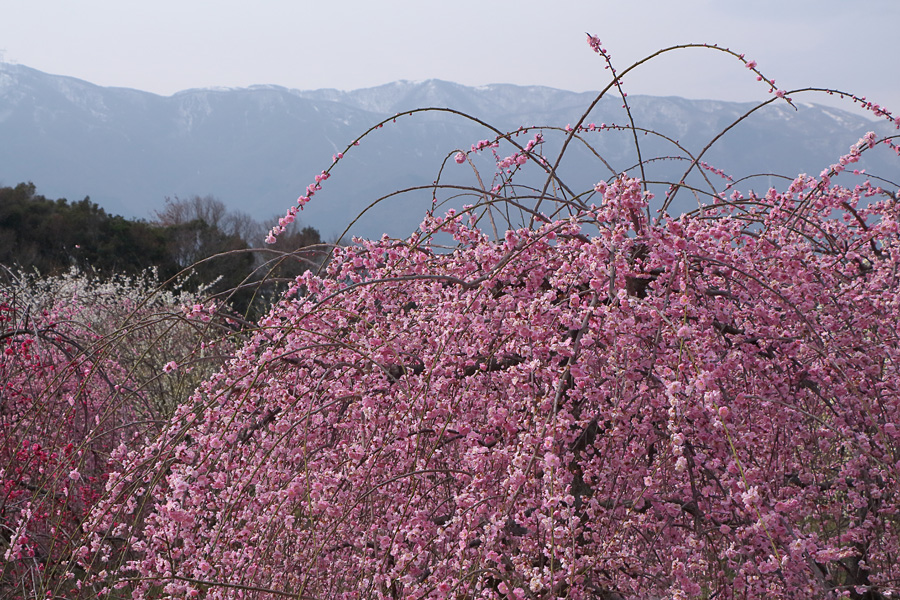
(257, 148)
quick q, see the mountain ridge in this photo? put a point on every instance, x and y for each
(257, 148)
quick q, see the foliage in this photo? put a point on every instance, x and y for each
(213, 245)
(50, 236)
(196, 236)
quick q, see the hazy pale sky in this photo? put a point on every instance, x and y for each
(169, 45)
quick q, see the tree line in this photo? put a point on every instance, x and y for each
(196, 237)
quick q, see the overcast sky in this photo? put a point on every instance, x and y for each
(168, 45)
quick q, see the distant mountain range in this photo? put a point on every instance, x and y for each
(257, 148)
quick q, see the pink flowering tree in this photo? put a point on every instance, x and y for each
(592, 404)
(82, 381)
(63, 413)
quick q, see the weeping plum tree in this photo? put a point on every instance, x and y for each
(594, 404)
